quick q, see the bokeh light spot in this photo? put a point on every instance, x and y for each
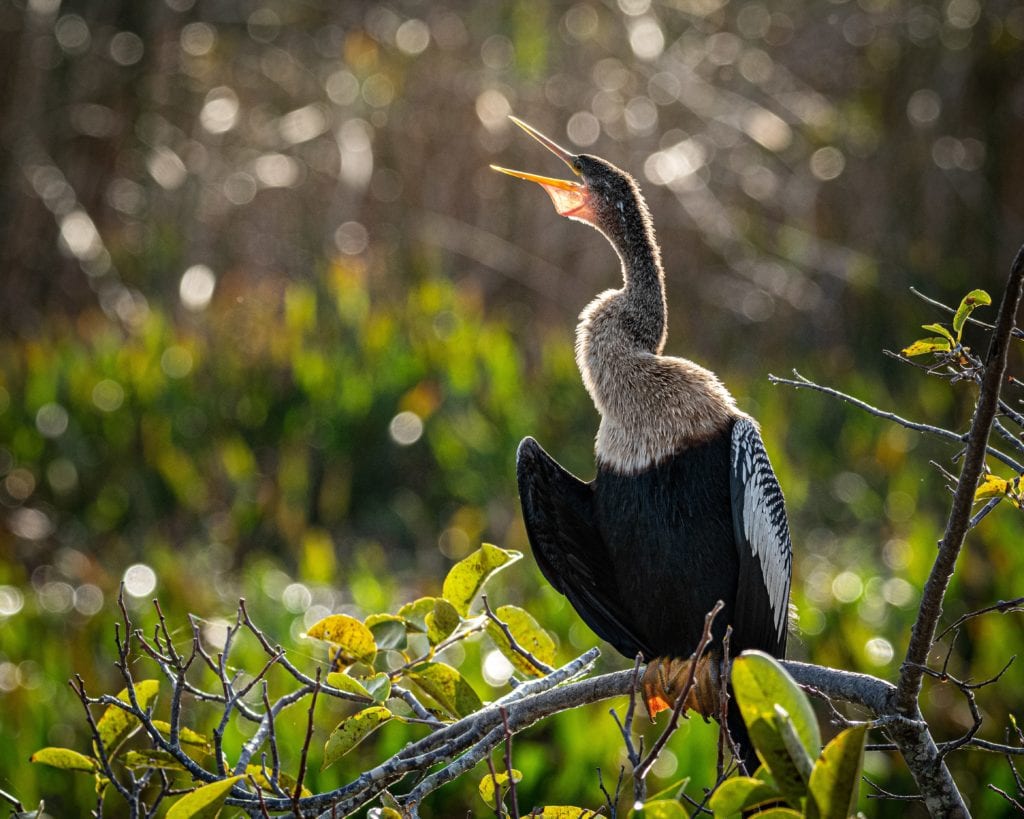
(413, 37)
(878, 651)
(296, 597)
(492, 109)
(924, 107)
(406, 428)
(108, 395)
(126, 48)
(51, 420)
(647, 39)
(139, 580)
(220, 110)
(11, 601)
(351, 238)
(827, 163)
(196, 287)
(176, 362)
(847, 587)
(583, 128)
(88, 599)
(496, 669)
(72, 34)
(198, 39)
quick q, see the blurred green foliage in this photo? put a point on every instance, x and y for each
(269, 327)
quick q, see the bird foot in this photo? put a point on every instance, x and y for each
(665, 678)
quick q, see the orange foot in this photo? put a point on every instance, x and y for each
(665, 678)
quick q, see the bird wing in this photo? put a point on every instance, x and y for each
(762, 538)
(559, 516)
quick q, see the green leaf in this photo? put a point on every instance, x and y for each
(760, 684)
(528, 633)
(348, 684)
(204, 802)
(671, 791)
(447, 687)
(441, 621)
(970, 302)
(352, 641)
(353, 730)
(779, 813)
(740, 793)
(566, 812)
(835, 780)
(186, 736)
(415, 613)
(927, 345)
(284, 780)
(467, 577)
(65, 759)
(486, 786)
(152, 759)
(797, 752)
(388, 630)
(116, 724)
(379, 686)
(660, 809)
(942, 331)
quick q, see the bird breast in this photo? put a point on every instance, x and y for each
(651, 406)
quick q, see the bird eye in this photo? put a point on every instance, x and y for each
(577, 166)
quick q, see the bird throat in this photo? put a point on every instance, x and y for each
(572, 202)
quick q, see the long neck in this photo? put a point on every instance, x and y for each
(644, 311)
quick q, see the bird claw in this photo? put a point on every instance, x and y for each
(665, 679)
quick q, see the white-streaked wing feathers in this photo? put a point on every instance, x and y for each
(763, 517)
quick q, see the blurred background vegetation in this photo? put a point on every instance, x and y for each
(270, 327)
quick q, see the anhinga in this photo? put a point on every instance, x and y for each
(685, 509)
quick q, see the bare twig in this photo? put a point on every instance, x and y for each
(508, 766)
(540, 665)
(1003, 607)
(1016, 805)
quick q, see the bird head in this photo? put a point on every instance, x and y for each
(601, 195)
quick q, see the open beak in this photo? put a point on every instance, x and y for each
(570, 198)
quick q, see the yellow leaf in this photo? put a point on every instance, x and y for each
(447, 687)
(486, 786)
(467, 577)
(352, 641)
(527, 633)
(65, 759)
(992, 486)
(353, 730)
(927, 345)
(116, 724)
(204, 802)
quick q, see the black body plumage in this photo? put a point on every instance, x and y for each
(643, 558)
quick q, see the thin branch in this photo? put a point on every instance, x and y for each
(540, 665)
(802, 382)
(305, 747)
(923, 632)
(508, 766)
(1003, 607)
(1016, 805)
(971, 320)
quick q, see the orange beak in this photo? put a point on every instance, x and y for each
(570, 198)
